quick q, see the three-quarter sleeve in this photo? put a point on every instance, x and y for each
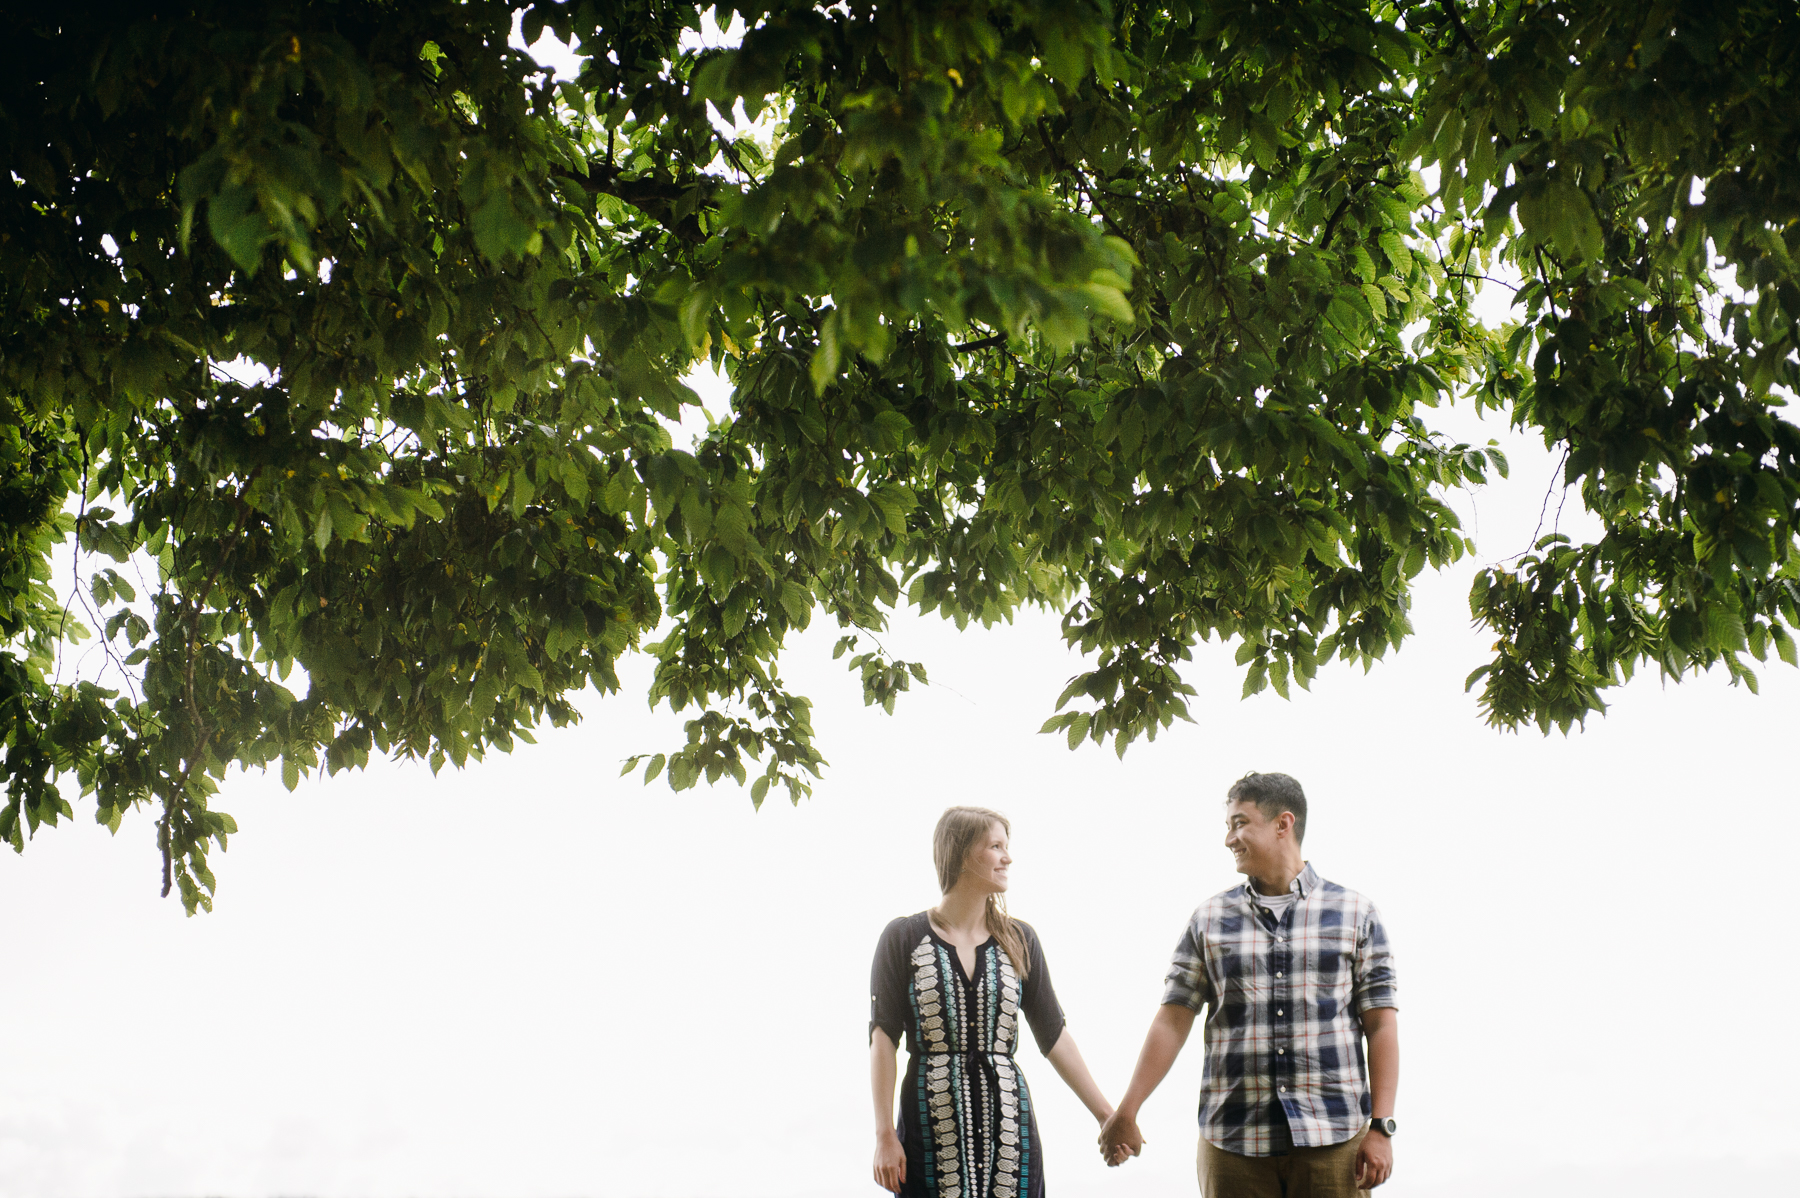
(888, 982)
(1187, 984)
(1376, 984)
(1037, 997)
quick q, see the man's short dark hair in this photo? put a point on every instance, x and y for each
(1272, 794)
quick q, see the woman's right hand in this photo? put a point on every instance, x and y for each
(890, 1161)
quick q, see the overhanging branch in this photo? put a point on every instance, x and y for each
(968, 347)
(660, 200)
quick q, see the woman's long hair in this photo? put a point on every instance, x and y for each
(958, 831)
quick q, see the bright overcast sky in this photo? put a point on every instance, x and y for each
(535, 979)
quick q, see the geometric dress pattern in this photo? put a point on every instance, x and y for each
(966, 1117)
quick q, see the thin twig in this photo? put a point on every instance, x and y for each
(62, 624)
(1465, 274)
(1545, 509)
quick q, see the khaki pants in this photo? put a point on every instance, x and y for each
(1302, 1173)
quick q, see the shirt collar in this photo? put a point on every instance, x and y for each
(1304, 883)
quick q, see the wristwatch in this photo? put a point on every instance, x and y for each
(1384, 1124)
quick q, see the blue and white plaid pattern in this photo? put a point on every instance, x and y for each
(1286, 997)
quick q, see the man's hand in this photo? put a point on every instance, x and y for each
(1374, 1160)
(1120, 1139)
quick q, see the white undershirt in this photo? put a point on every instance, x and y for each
(1277, 904)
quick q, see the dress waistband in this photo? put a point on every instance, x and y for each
(963, 1052)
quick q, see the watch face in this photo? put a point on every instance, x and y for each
(1386, 1126)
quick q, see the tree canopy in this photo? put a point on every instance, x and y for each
(341, 346)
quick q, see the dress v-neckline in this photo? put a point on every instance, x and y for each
(956, 952)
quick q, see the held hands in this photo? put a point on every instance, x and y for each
(1120, 1139)
(890, 1161)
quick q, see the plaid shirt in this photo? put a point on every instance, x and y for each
(1283, 994)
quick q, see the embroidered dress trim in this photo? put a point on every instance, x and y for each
(972, 1100)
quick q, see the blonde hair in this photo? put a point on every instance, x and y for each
(958, 830)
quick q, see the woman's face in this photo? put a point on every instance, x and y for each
(985, 866)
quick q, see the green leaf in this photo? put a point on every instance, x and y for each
(894, 502)
(1415, 560)
(824, 367)
(1725, 627)
(501, 231)
(236, 225)
(322, 527)
(1110, 301)
(1078, 728)
(731, 525)
(795, 602)
(1397, 253)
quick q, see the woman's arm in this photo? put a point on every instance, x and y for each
(890, 1156)
(1067, 1059)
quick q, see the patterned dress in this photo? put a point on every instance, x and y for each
(965, 1112)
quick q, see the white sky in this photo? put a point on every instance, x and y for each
(537, 979)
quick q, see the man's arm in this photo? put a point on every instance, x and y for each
(1375, 1159)
(1168, 1032)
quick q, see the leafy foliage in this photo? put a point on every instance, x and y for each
(357, 340)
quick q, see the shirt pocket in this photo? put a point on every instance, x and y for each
(1235, 981)
(1331, 971)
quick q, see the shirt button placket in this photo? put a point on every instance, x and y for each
(1281, 965)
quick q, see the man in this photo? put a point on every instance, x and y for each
(1295, 972)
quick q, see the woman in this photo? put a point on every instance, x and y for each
(956, 979)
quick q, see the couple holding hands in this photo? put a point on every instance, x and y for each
(1294, 974)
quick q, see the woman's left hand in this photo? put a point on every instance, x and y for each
(890, 1162)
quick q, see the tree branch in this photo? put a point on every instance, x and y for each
(655, 198)
(968, 347)
(1081, 181)
(1462, 31)
(1336, 215)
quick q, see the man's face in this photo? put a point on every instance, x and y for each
(1254, 839)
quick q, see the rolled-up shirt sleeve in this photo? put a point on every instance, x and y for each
(1374, 979)
(1187, 982)
(1037, 997)
(889, 984)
